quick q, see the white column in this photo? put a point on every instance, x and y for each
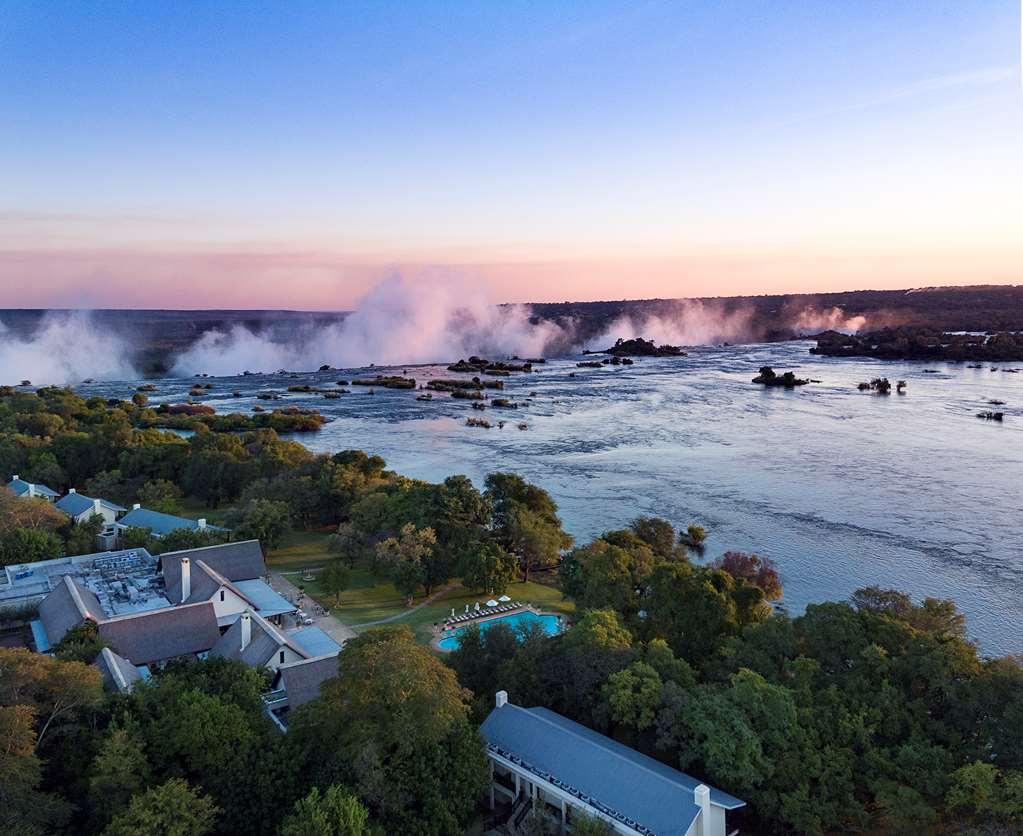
(702, 799)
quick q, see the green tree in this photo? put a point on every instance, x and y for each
(693, 538)
(987, 793)
(27, 545)
(658, 534)
(488, 568)
(335, 812)
(610, 572)
(692, 609)
(634, 695)
(599, 629)
(261, 519)
(160, 495)
(27, 811)
(395, 729)
(335, 578)
(404, 557)
(525, 521)
(119, 771)
(171, 809)
(80, 644)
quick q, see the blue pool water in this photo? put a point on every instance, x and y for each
(549, 624)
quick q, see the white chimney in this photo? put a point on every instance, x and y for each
(246, 629)
(501, 698)
(135, 507)
(97, 508)
(202, 523)
(15, 477)
(702, 798)
(186, 578)
(71, 490)
(31, 489)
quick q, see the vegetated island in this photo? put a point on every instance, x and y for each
(477, 365)
(639, 347)
(921, 344)
(788, 380)
(187, 416)
(387, 382)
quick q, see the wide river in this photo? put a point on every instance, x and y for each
(841, 488)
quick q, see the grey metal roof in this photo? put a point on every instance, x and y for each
(645, 790)
(156, 635)
(239, 561)
(315, 641)
(75, 504)
(20, 488)
(264, 598)
(67, 606)
(118, 672)
(159, 523)
(302, 680)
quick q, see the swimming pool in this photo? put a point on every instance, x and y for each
(548, 623)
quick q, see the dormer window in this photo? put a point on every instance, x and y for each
(281, 656)
(222, 595)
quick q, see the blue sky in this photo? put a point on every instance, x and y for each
(554, 150)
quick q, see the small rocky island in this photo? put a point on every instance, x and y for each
(921, 344)
(639, 347)
(788, 380)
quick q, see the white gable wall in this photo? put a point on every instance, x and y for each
(229, 608)
(274, 662)
(109, 515)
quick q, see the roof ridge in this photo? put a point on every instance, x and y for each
(76, 597)
(224, 581)
(113, 667)
(142, 613)
(202, 548)
(643, 766)
(319, 658)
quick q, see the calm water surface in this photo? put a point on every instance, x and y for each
(840, 488)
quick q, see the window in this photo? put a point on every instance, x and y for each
(281, 656)
(222, 595)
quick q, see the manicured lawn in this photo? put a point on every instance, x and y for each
(300, 550)
(371, 599)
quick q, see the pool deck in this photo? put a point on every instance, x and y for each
(441, 633)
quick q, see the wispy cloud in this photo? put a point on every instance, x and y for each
(980, 77)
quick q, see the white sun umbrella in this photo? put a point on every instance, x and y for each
(477, 607)
(491, 603)
(504, 599)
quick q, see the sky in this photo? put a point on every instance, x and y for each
(295, 154)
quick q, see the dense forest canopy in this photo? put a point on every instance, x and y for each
(873, 714)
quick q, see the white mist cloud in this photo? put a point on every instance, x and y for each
(686, 322)
(813, 321)
(65, 348)
(397, 322)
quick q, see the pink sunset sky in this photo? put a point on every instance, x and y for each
(234, 157)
